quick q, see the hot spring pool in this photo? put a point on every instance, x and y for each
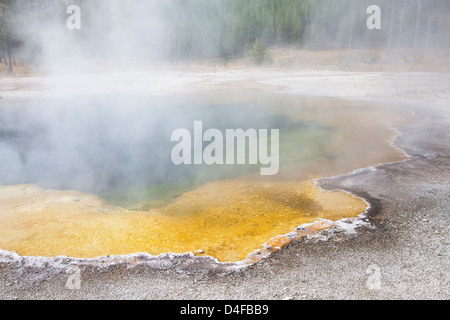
(93, 176)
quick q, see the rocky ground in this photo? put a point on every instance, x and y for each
(401, 252)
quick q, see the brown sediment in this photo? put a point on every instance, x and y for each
(226, 219)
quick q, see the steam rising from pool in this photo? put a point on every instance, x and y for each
(101, 144)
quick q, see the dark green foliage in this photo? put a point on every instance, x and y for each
(259, 53)
(5, 36)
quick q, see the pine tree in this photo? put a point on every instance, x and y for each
(5, 35)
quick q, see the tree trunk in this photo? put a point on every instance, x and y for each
(4, 58)
(416, 31)
(428, 39)
(351, 35)
(391, 27)
(447, 35)
(402, 17)
(10, 59)
(309, 26)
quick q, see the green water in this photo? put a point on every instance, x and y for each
(303, 144)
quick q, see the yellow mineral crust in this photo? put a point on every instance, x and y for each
(224, 219)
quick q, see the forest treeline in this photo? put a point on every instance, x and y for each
(34, 31)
